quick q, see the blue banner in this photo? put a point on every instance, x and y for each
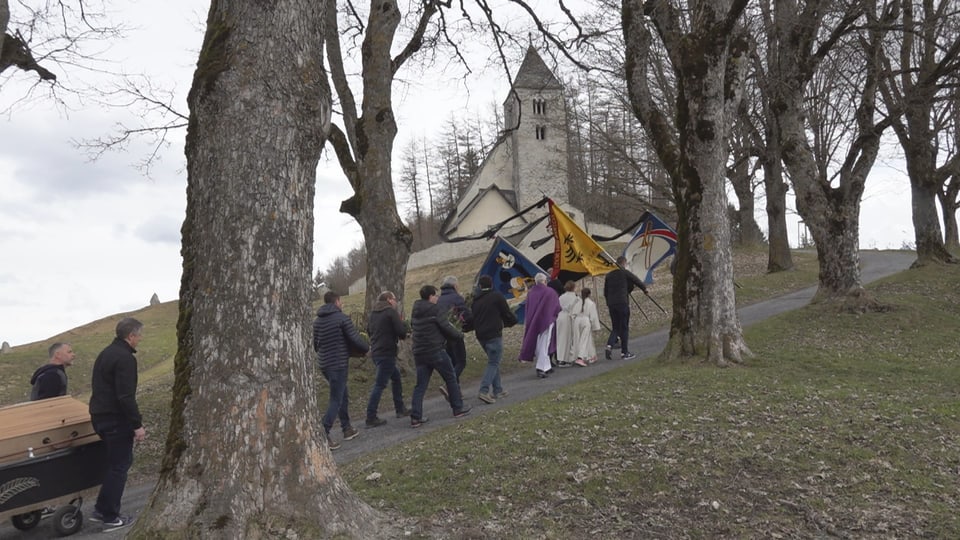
(512, 274)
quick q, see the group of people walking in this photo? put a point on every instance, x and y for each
(559, 322)
(558, 327)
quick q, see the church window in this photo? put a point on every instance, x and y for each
(540, 132)
(539, 106)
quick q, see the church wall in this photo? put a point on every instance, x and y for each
(491, 209)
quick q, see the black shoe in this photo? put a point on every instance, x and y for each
(608, 353)
(403, 414)
(375, 422)
(415, 423)
(541, 374)
(462, 412)
(627, 356)
(96, 517)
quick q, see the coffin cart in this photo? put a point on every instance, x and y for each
(49, 454)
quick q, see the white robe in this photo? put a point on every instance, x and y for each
(569, 305)
(586, 322)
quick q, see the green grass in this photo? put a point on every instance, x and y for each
(841, 424)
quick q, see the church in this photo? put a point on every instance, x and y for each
(529, 161)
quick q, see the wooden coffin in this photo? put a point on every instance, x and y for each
(41, 427)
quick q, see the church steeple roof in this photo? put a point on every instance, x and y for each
(534, 73)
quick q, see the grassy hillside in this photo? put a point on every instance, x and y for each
(841, 426)
(157, 350)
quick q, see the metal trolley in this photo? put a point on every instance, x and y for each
(31, 486)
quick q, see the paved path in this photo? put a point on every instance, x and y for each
(521, 385)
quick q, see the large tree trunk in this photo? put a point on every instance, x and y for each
(709, 64)
(926, 222)
(246, 455)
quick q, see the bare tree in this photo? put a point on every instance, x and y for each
(47, 40)
(245, 452)
(917, 89)
(828, 195)
(707, 53)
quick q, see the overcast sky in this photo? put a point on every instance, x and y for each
(81, 240)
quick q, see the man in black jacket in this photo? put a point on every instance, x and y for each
(431, 330)
(617, 287)
(451, 304)
(116, 417)
(334, 338)
(50, 379)
(385, 329)
(490, 315)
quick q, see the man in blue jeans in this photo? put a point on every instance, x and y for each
(491, 315)
(335, 338)
(431, 330)
(385, 328)
(116, 418)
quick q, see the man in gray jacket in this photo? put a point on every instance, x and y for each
(335, 338)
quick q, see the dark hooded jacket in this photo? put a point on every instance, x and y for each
(335, 337)
(491, 314)
(385, 329)
(49, 380)
(431, 331)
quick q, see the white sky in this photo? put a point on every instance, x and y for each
(83, 240)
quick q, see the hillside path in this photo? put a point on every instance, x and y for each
(521, 386)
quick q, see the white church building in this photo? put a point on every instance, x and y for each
(528, 162)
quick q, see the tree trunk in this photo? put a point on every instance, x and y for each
(779, 257)
(741, 180)
(371, 135)
(709, 63)
(948, 205)
(246, 455)
(926, 223)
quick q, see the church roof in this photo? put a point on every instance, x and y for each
(534, 73)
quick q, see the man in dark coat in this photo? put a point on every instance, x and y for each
(50, 379)
(116, 418)
(385, 329)
(452, 304)
(617, 287)
(491, 315)
(334, 338)
(431, 330)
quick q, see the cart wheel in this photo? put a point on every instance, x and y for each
(27, 521)
(67, 520)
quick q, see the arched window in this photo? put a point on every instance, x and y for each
(540, 132)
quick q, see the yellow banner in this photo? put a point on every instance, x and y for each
(573, 249)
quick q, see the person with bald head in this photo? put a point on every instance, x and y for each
(50, 379)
